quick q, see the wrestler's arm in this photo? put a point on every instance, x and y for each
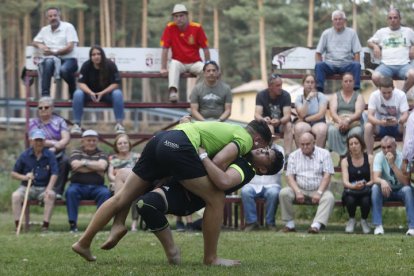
(227, 155)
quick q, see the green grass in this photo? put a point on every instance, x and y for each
(261, 252)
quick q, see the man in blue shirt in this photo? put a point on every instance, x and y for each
(39, 165)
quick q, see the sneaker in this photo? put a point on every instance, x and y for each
(119, 129)
(410, 232)
(179, 226)
(350, 226)
(288, 230)
(76, 129)
(379, 230)
(173, 96)
(365, 227)
(313, 230)
(73, 228)
(251, 227)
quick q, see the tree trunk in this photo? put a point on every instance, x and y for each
(145, 83)
(216, 28)
(2, 83)
(354, 16)
(81, 26)
(102, 22)
(310, 23)
(107, 24)
(122, 41)
(201, 8)
(262, 41)
(112, 23)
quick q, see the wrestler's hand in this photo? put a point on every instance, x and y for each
(185, 119)
(201, 150)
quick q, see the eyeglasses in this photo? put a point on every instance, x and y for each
(43, 107)
(275, 76)
(393, 17)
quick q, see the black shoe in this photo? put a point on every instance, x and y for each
(179, 226)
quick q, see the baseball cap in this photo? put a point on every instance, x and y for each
(90, 132)
(37, 134)
(179, 8)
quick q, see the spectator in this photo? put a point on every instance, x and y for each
(273, 105)
(387, 113)
(262, 186)
(123, 158)
(341, 47)
(408, 148)
(89, 164)
(211, 98)
(393, 183)
(346, 107)
(392, 46)
(99, 82)
(57, 139)
(185, 38)
(308, 174)
(357, 178)
(38, 164)
(311, 109)
(57, 42)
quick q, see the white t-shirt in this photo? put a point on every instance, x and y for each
(393, 107)
(395, 45)
(59, 38)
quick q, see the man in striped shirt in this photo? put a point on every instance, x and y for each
(309, 174)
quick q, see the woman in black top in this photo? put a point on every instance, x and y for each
(356, 176)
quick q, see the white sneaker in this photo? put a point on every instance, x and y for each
(379, 230)
(350, 226)
(365, 227)
(76, 129)
(410, 232)
(119, 129)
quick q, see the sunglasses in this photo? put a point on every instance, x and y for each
(275, 76)
(43, 107)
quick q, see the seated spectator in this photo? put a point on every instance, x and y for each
(392, 46)
(273, 105)
(211, 99)
(308, 174)
(38, 164)
(393, 184)
(408, 148)
(123, 158)
(346, 107)
(387, 113)
(99, 82)
(341, 47)
(357, 178)
(89, 164)
(57, 42)
(57, 138)
(185, 39)
(311, 109)
(262, 186)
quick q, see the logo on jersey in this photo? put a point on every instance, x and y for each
(171, 144)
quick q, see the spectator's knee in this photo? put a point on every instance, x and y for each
(16, 197)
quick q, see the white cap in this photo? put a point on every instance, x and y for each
(90, 132)
(179, 8)
(37, 134)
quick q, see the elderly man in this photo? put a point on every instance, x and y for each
(273, 105)
(57, 41)
(211, 99)
(393, 183)
(185, 38)
(57, 139)
(392, 46)
(308, 173)
(341, 47)
(89, 165)
(387, 112)
(38, 164)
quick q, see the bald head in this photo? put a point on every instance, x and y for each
(307, 143)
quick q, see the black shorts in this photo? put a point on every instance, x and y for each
(169, 153)
(181, 202)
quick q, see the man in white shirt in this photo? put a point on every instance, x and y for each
(387, 113)
(308, 174)
(57, 42)
(392, 46)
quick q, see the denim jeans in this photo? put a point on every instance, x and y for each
(405, 194)
(323, 69)
(271, 196)
(114, 98)
(67, 72)
(77, 192)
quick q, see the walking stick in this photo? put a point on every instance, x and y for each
(26, 197)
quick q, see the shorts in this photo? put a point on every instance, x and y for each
(35, 193)
(181, 202)
(399, 71)
(169, 153)
(392, 131)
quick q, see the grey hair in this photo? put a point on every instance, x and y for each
(47, 100)
(388, 138)
(340, 13)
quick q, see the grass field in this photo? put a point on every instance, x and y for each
(261, 252)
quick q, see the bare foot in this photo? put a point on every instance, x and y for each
(225, 262)
(83, 252)
(175, 257)
(117, 233)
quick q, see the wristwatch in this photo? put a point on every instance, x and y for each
(203, 156)
(320, 192)
(84, 163)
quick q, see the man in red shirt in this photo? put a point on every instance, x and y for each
(185, 39)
